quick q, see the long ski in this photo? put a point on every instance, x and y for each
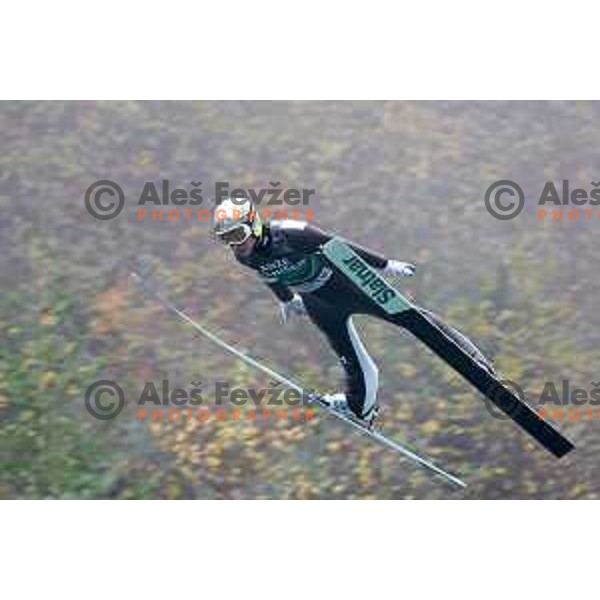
(314, 398)
(422, 326)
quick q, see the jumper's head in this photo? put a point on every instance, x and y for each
(236, 220)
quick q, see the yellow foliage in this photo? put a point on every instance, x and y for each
(334, 446)
(213, 462)
(408, 371)
(430, 427)
(48, 319)
(110, 309)
(49, 379)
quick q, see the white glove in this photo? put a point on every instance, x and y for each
(399, 268)
(295, 306)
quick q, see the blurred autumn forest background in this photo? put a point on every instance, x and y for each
(404, 178)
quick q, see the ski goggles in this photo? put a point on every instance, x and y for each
(236, 236)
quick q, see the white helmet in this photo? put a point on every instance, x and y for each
(235, 220)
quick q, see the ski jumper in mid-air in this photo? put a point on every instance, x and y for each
(287, 254)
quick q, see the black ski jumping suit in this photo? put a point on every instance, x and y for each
(289, 259)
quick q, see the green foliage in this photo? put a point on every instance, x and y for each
(46, 449)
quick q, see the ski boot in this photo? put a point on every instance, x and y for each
(339, 403)
(372, 418)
